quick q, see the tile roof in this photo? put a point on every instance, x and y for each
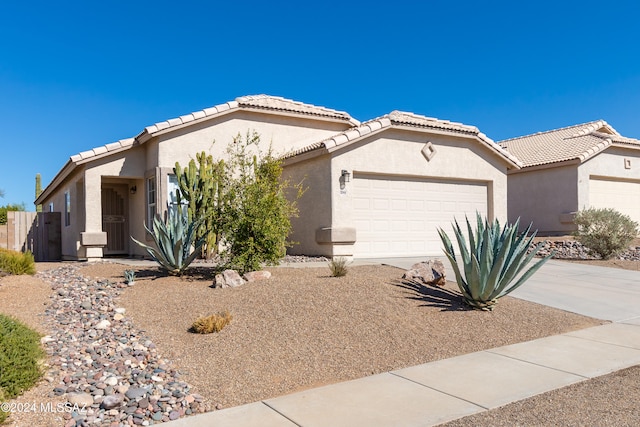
(577, 142)
(109, 148)
(405, 119)
(257, 102)
(261, 102)
(282, 104)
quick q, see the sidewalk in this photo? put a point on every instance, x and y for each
(444, 390)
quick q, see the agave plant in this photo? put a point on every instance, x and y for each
(175, 240)
(129, 277)
(494, 259)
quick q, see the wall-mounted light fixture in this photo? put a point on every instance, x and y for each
(133, 189)
(346, 176)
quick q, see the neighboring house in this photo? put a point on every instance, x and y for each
(379, 188)
(569, 169)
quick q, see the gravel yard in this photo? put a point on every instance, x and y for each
(300, 329)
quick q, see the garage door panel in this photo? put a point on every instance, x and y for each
(380, 204)
(623, 196)
(399, 205)
(407, 224)
(416, 205)
(399, 226)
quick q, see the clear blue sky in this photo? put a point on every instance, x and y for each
(76, 75)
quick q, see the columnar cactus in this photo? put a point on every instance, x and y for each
(38, 191)
(200, 185)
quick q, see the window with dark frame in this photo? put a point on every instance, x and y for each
(151, 200)
(67, 208)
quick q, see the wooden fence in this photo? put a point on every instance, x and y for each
(35, 232)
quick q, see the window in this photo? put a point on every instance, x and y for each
(51, 207)
(151, 200)
(67, 208)
(172, 190)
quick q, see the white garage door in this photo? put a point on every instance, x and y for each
(396, 216)
(623, 196)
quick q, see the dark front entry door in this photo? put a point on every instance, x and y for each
(114, 219)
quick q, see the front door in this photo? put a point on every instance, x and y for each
(114, 219)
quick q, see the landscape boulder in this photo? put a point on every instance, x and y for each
(430, 272)
(228, 279)
(256, 275)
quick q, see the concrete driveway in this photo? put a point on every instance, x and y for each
(601, 292)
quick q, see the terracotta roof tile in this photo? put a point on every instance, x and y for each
(113, 146)
(127, 142)
(577, 142)
(100, 150)
(411, 119)
(265, 102)
(282, 104)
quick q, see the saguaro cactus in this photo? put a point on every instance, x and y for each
(38, 191)
(200, 185)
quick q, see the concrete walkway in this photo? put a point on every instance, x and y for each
(441, 391)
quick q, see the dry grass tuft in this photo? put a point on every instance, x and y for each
(213, 323)
(338, 267)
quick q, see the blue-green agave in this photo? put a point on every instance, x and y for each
(494, 258)
(174, 240)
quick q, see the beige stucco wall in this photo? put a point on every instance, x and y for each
(398, 152)
(127, 167)
(610, 164)
(283, 132)
(70, 234)
(547, 196)
(157, 157)
(84, 186)
(394, 152)
(544, 197)
(314, 205)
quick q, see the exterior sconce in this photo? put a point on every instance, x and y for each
(133, 189)
(345, 175)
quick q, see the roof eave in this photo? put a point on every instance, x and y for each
(307, 155)
(56, 181)
(550, 165)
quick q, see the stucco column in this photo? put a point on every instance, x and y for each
(93, 239)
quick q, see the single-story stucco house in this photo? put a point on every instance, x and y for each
(569, 169)
(378, 188)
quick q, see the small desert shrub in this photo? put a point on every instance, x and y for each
(213, 323)
(338, 267)
(20, 356)
(14, 262)
(605, 231)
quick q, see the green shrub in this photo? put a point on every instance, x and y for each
(495, 257)
(338, 267)
(212, 323)
(605, 232)
(20, 356)
(174, 239)
(257, 214)
(14, 262)
(7, 208)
